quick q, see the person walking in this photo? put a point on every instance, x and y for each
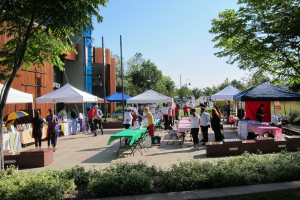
(216, 125)
(91, 115)
(165, 112)
(127, 118)
(37, 129)
(52, 122)
(195, 122)
(98, 120)
(74, 117)
(204, 123)
(150, 121)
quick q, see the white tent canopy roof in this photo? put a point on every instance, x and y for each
(67, 94)
(225, 94)
(150, 96)
(16, 96)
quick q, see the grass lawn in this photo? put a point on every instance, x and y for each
(291, 194)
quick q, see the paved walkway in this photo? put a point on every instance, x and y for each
(221, 192)
(88, 151)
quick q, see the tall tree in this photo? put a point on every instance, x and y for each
(147, 76)
(196, 92)
(263, 36)
(135, 63)
(38, 32)
(238, 84)
(119, 75)
(207, 91)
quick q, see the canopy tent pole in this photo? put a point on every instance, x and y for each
(32, 109)
(122, 75)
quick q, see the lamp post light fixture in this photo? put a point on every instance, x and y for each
(189, 82)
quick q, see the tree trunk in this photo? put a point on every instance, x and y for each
(2, 107)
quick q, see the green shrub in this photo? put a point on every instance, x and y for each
(121, 184)
(33, 185)
(78, 174)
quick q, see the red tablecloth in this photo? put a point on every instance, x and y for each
(262, 128)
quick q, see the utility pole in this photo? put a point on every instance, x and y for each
(104, 85)
(180, 80)
(122, 74)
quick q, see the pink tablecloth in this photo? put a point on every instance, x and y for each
(262, 128)
(183, 121)
(183, 128)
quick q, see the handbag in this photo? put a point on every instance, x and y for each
(147, 143)
(156, 139)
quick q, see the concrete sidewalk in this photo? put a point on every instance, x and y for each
(221, 192)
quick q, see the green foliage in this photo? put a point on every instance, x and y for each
(139, 178)
(196, 92)
(39, 31)
(47, 184)
(261, 35)
(207, 91)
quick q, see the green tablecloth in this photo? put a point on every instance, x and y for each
(156, 121)
(131, 134)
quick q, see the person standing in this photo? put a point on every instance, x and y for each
(37, 129)
(62, 114)
(165, 112)
(260, 113)
(185, 109)
(224, 111)
(74, 117)
(140, 113)
(133, 117)
(91, 115)
(127, 118)
(150, 121)
(153, 108)
(228, 111)
(170, 112)
(195, 122)
(216, 125)
(192, 106)
(52, 122)
(98, 120)
(218, 111)
(204, 123)
(177, 108)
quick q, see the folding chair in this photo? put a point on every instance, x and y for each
(173, 135)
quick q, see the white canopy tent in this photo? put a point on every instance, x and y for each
(16, 96)
(225, 94)
(150, 96)
(67, 94)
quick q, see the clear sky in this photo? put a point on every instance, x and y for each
(171, 33)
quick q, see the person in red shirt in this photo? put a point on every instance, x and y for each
(185, 109)
(91, 114)
(133, 118)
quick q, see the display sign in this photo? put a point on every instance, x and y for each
(277, 105)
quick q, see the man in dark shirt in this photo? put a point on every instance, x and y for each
(259, 113)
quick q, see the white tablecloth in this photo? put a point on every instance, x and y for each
(242, 128)
(6, 141)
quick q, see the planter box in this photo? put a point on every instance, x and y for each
(215, 149)
(12, 158)
(294, 143)
(250, 145)
(112, 124)
(233, 146)
(280, 144)
(36, 157)
(265, 145)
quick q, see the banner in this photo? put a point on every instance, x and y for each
(253, 106)
(277, 105)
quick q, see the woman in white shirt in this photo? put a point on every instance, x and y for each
(127, 118)
(204, 123)
(195, 122)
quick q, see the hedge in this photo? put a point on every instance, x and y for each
(121, 179)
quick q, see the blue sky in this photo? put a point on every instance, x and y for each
(171, 33)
